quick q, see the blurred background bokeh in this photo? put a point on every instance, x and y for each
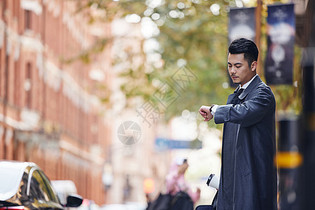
(106, 92)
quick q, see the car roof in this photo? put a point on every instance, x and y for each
(11, 173)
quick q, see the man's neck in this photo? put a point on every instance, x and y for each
(247, 83)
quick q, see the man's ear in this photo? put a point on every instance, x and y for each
(253, 66)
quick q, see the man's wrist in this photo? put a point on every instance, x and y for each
(213, 109)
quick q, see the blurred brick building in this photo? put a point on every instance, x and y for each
(49, 111)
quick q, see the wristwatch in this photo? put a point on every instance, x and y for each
(211, 108)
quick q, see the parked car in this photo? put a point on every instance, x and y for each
(63, 189)
(23, 185)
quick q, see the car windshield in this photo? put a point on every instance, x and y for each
(10, 179)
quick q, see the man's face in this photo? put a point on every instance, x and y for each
(239, 70)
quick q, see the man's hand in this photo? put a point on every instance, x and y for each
(205, 112)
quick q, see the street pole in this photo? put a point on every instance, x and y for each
(308, 66)
(289, 161)
(309, 130)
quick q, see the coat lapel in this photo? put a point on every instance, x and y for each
(231, 96)
(250, 88)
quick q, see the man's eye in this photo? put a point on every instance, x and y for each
(238, 66)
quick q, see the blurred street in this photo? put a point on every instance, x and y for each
(103, 95)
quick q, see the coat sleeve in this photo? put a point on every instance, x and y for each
(249, 112)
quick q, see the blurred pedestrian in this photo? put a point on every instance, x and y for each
(148, 198)
(177, 186)
(248, 176)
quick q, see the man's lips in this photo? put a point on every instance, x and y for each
(234, 77)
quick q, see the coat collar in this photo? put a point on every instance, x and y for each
(250, 87)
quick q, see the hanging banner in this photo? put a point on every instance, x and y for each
(242, 24)
(280, 40)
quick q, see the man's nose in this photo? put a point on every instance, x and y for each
(233, 70)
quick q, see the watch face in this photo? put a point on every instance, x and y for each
(209, 179)
(211, 108)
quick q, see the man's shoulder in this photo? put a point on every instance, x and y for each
(263, 85)
(263, 91)
(260, 85)
(260, 88)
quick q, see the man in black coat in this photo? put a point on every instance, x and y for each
(248, 179)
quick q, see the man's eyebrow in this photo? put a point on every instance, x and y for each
(234, 63)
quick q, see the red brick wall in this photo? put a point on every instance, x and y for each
(59, 118)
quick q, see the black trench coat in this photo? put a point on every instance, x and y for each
(248, 175)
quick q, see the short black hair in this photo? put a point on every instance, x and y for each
(245, 46)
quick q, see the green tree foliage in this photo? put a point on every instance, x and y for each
(192, 36)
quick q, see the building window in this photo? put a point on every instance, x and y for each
(28, 22)
(17, 86)
(28, 86)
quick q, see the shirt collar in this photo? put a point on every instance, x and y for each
(247, 83)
